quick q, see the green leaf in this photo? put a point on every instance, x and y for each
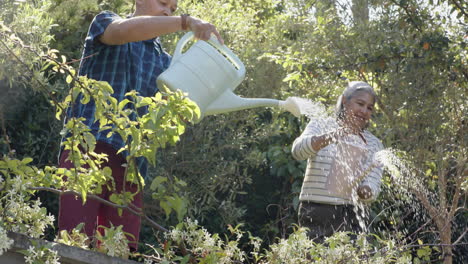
(69, 79)
(90, 141)
(26, 160)
(156, 183)
(123, 103)
(167, 208)
(185, 260)
(180, 206)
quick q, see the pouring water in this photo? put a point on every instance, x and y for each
(300, 106)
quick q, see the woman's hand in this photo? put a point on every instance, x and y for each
(203, 30)
(319, 142)
(364, 192)
(342, 132)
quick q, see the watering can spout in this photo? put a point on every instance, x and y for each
(229, 102)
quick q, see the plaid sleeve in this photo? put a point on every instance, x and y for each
(98, 26)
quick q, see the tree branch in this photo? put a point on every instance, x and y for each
(27, 67)
(433, 211)
(408, 13)
(136, 211)
(458, 182)
(459, 7)
(460, 237)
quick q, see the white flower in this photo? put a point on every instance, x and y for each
(31, 256)
(52, 257)
(117, 244)
(5, 241)
(22, 215)
(41, 255)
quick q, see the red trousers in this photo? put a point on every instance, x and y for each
(94, 213)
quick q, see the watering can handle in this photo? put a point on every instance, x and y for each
(213, 41)
(180, 45)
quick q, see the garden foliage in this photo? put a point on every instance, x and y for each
(237, 168)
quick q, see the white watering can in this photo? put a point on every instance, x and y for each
(209, 74)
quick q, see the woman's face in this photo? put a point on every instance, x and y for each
(358, 109)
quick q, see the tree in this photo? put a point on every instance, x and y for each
(237, 166)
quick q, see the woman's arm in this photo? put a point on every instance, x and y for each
(369, 188)
(314, 139)
(311, 141)
(140, 28)
(319, 142)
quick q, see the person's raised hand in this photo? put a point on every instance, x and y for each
(203, 30)
(364, 192)
(344, 131)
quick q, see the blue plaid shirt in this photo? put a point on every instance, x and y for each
(131, 66)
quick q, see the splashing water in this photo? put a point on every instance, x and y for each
(397, 168)
(394, 165)
(406, 183)
(301, 106)
(388, 158)
(347, 164)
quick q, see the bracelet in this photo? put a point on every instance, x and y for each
(184, 21)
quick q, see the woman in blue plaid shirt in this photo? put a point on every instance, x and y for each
(127, 53)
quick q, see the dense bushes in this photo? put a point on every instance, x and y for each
(237, 167)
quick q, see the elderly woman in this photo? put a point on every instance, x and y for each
(341, 170)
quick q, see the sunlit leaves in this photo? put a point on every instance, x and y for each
(166, 192)
(420, 77)
(25, 24)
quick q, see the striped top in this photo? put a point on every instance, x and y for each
(314, 187)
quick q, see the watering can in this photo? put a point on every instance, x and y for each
(209, 72)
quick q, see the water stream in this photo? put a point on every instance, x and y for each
(386, 158)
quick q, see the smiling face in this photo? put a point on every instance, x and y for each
(155, 7)
(358, 109)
